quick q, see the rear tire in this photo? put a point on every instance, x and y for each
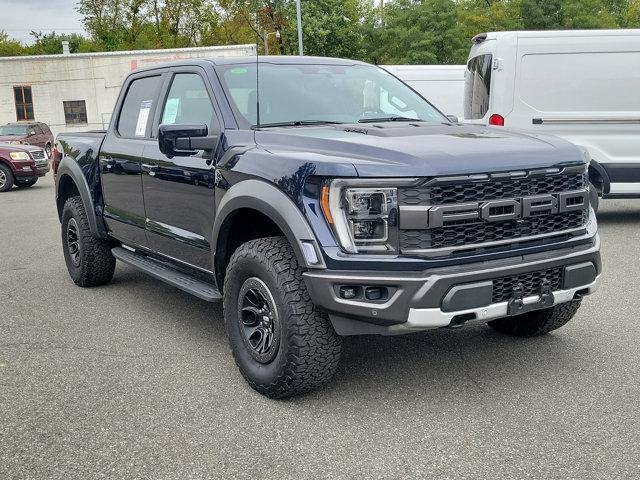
(282, 344)
(538, 322)
(88, 259)
(25, 184)
(6, 178)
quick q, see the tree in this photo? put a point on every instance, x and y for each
(542, 14)
(331, 28)
(417, 32)
(9, 47)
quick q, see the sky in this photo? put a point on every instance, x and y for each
(19, 17)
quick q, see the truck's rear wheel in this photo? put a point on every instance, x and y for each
(6, 178)
(88, 259)
(281, 342)
(537, 322)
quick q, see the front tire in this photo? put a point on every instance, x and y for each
(47, 149)
(6, 178)
(537, 322)
(88, 259)
(282, 344)
(25, 183)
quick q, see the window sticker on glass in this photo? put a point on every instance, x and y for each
(143, 117)
(171, 110)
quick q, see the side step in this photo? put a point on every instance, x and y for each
(169, 275)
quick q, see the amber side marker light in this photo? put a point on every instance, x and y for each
(324, 203)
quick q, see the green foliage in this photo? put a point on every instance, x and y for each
(392, 31)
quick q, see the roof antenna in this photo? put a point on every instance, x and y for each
(257, 90)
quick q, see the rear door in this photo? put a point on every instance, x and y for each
(38, 139)
(120, 158)
(179, 191)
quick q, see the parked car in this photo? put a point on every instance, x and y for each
(21, 165)
(581, 85)
(28, 133)
(335, 201)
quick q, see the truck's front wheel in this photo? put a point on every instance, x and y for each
(281, 342)
(88, 259)
(537, 322)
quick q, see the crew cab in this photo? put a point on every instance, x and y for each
(318, 198)
(21, 165)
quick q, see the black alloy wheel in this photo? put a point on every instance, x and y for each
(73, 242)
(259, 319)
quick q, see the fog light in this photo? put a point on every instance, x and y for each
(349, 292)
(375, 293)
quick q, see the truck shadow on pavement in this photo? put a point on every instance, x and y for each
(443, 361)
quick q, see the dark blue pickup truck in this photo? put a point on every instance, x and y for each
(318, 198)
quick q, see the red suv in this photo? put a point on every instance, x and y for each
(29, 133)
(21, 165)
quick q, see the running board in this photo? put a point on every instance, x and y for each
(167, 274)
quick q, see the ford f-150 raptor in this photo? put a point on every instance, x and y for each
(318, 198)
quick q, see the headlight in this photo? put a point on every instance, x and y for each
(15, 142)
(19, 156)
(364, 218)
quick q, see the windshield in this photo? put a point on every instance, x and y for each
(322, 93)
(13, 130)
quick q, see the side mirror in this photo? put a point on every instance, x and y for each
(31, 133)
(453, 119)
(183, 140)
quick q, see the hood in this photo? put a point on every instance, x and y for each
(16, 147)
(13, 138)
(423, 149)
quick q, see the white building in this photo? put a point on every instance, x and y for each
(77, 92)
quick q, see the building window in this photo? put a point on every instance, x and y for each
(75, 112)
(24, 102)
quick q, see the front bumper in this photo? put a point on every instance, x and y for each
(30, 171)
(426, 300)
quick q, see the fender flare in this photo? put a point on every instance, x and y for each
(69, 167)
(606, 182)
(270, 201)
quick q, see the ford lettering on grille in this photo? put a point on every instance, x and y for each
(509, 209)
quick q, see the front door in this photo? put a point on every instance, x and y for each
(179, 191)
(120, 161)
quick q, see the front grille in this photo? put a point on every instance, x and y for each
(38, 154)
(491, 190)
(476, 233)
(530, 282)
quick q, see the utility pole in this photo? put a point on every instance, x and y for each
(299, 15)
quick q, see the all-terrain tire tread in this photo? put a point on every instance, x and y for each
(539, 322)
(315, 348)
(98, 264)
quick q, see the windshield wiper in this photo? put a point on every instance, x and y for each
(297, 123)
(389, 119)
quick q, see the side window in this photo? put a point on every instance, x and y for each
(188, 101)
(135, 115)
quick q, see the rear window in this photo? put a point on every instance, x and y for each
(477, 87)
(135, 115)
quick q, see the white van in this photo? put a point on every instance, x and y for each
(582, 85)
(442, 85)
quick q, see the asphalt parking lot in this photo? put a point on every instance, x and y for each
(135, 380)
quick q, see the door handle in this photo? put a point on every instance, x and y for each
(108, 161)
